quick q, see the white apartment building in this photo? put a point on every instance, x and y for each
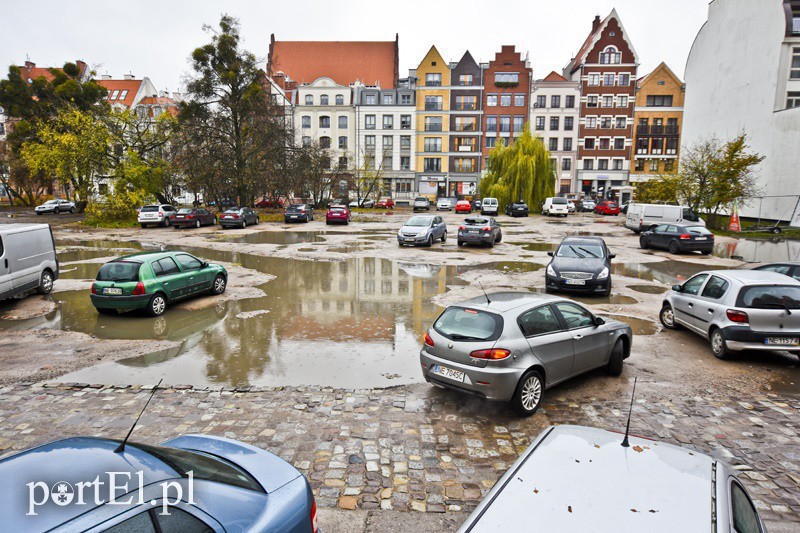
(554, 117)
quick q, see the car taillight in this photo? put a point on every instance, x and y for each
(189, 216)
(461, 228)
(314, 526)
(487, 228)
(428, 340)
(139, 289)
(303, 212)
(161, 213)
(492, 354)
(685, 236)
(94, 289)
(740, 317)
(235, 216)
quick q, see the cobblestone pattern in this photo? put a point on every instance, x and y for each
(412, 448)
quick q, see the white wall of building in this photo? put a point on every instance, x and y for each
(312, 130)
(563, 89)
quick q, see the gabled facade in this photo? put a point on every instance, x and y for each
(433, 124)
(507, 90)
(606, 67)
(465, 140)
(128, 91)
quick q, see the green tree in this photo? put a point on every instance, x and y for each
(519, 172)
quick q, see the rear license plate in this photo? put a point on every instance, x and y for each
(112, 291)
(473, 231)
(226, 216)
(293, 216)
(700, 238)
(179, 216)
(575, 282)
(782, 341)
(449, 373)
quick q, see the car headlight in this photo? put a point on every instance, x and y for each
(603, 273)
(551, 271)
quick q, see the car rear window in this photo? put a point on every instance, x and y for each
(119, 271)
(186, 210)
(464, 324)
(476, 221)
(770, 297)
(336, 209)
(560, 201)
(150, 208)
(698, 230)
(232, 210)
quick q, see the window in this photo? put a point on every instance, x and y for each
(602, 164)
(433, 79)
(715, 288)
(388, 99)
(123, 94)
(608, 101)
(386, 162)
(594, 80)
(541, 101)
(433, 123)
(369, 99)
(405, 163)
(405, 99)
(505, 124)
(324, 142)
(610, 56)
(609, 80)
(491, 124)
(306, 121)
(324, 121)
(745, 517)
(323, 100)
(654, 165)
(343, 122)
(405, 122)
(343, 162)
(657, 146)
(519, 100)
(369, 122)
(539, 321)
(342, 143)
(617, 164)
(591, 122)
(621, 123)
(465, 144)
(339, 99)
(588, 164)
(369, 143)
(553, 144)
(491, 142)
(506, 78)
(640, 165)
(464, 165)
(539, 123)
(306, 140)
(388, 142)
(465, 79)
(309, 99)
(519, 124)
(388, 122)
(466, 103)
(114, 95)
(466, 123)
(432, 164)
(433, 103)
(793, 99)
(433, 144)
(405, 142)
(622, 101)
(568, 123)
(591, 101)
(659, 100)
(568, 144)
(642, 145)
(554, 123)
(574, 315)
(624, 80)
(605, 122)
(669, 165)
(566, 163)
(166, 266)
(505, 100)
(570, 102)
(588, 143)
(794, 72)
(604, 144)
(188, 262)
(491, 100)
(555, 101)
(672, 146)
(619, 143)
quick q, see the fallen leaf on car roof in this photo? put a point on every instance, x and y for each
(638, 449)
(569, 508)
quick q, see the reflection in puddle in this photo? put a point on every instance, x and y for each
(639, 326)
(612, 299)
(666, 272)
(648, 289)
(80, 271)
(88, 254)
(535, 246)
(759, 250)
(280, 237)
(512, 266)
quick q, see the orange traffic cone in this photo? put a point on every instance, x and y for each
(734, 224)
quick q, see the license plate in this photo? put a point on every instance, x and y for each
(293, 216)
(700, 238)
(449, 373)
(226, 216)
(782, 341)
(473, 231)
(575, 282)
(111, 290)
(180, 216)
(409, 239)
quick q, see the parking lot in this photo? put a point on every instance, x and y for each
(312, 354)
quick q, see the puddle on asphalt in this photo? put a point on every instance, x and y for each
(102, 244)
(648, 289)
(639, 326)
(591, 299)
(588, 234)
(280, 237)
(80, 271)
(510, 266)
(351, 248)
(536, 246)
(70, 256)
(759, 250)
(668, 272)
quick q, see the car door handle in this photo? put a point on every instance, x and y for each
(5, 262)
(577, 337)
(710, 310)
(690, 305)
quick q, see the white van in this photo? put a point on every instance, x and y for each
(27, 259)
(555, 206)
(489, 206)
(641, 217)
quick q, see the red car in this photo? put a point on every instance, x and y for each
(192, 217)
(271, 202)
(463, 206)
(337, 214)
(606, 208)
(385, 203)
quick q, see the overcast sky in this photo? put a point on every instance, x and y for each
(156, 39)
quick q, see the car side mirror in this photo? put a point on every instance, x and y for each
(550, 254)
(598, 321)
(612, 256)
(204, 264)
(677, 288)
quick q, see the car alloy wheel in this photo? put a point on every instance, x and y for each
(718, 345)
(244, 224)
(56, 211)
(45, 283)
(444, 236)
(667, 317)
(643, 243)
(219, 285)
(72, 210)
(197, 224)
(529, 393)
(158, 304)
(673, 247)
(430, 241)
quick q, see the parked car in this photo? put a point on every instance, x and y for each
(443, 204)
(233, 486)
(298, 213)
(555, 206)
(422, 229)
(641, 217)
(337, 214)
(27, 259)
(606, 207)
(238, 217)
(569, 479)
(463, 206)
(787, 268)
(624, 208)
(587, 205)
(489, 207)
(421, 203)
(270, 203)
(55, 206)
(156, 214)
(517, 209)
(150, 281)
(580, 264)
(678, 239)
(476, 204)
(187, 217)
(737, 310)
(364, 203)
(385, 203)
(469, 347)
(479, 230)
(570, 206)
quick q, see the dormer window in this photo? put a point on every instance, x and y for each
(114, 95)
(123, 94)
(610, 56)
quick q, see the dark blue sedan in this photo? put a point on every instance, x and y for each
(189, 484)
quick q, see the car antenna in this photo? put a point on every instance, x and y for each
(625, 443)
(488, 301)
(121, 447)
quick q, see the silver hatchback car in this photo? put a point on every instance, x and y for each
(511, 346)
(737, 310)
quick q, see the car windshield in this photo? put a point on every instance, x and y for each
(688, 214)
(418, 222)
(698, 230)
(420, 200)
(774, 297)
(185, 210)
(150, 208)
(460, 324)
(580, 250)
(202, 466)
(51, 202)
(119, 271)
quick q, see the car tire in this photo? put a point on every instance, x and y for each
(429, 242)
(45, 283)
(38, 213)
(528, 396)
(499, 237)
(643, 243)
(460, 243)
(705, 252)
(56, 211)
(219, 285)
(614, 367)
(71, 210)
(667, 317)
(607, 293)
(244, 224)
(197, 224)
(257, 221)
(673, 247)
(718, 345)
(144, 226)
(157, 305)
(444, 236)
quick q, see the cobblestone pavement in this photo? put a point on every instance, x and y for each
(414, 448)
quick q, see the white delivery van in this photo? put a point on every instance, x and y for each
(555, 206)
(641, 217)
(27, 259)
(489, 206)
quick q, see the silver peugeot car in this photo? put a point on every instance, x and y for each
(511, 346)
(737, 310)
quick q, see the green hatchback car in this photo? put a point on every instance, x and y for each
(150, 281)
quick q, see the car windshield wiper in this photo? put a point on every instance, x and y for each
(589, 252)
(576, 252)
(458, 337)
(776, 304)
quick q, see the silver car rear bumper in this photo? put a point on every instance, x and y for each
(502, 381)
(738, 346)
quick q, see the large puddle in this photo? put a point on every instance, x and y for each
(666, 272)
(759, 250)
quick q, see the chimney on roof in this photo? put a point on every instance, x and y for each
(29, 64)
(595, 23)
(178, 97)
(163, 94)
(128, 76)
(105, 77)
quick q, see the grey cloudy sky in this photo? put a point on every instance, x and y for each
(156, 38)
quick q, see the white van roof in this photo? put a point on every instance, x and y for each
(8, 229)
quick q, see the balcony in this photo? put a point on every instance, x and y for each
(430, 106)
(672, 130)
(433, 127)
(465, 107)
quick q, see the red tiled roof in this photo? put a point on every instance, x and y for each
(554, 76)
(168, 104)
(29, 71)
(370, 62)
(132, 86)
